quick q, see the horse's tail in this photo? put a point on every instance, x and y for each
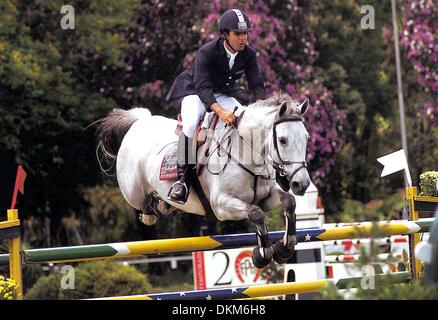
(112, 129)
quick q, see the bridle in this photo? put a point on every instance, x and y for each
(279, 167)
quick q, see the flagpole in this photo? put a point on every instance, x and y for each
(408, 181)
(408, 178)
(14, 196)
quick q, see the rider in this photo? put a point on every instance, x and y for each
(209, 85)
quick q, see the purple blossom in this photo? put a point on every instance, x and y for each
(417, 37)
(286, 55)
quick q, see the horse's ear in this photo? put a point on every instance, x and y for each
(304, 106)
(282, 111)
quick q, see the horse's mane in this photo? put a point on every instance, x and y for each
(275, 101)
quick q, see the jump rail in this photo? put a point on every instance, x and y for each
(414, 204)
(137, 248)
(346, 258)
(266, 290)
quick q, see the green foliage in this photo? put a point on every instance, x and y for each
(380, 209)
(275, 220)
(171, 280)
(176, 286)
(422, 134)
(358, 67)
(428, 183)
(50, 84)
(92, 280)
(386, 290)
(362, 90)
(30, 275)
(54, 83)
(109, 217)
(418, 290)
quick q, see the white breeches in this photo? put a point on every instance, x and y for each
(192, 110)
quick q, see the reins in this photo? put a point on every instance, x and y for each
(278, 167)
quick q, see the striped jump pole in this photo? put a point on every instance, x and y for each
(123, 250)
(346, 258)
(266, 290)
(379, 241)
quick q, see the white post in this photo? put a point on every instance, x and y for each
(400, 89)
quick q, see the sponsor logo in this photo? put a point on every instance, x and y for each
(244, 267)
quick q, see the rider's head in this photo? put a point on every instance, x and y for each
(234, 26)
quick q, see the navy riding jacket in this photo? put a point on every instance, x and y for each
(210, 73)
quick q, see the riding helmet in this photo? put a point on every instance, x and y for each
(234, 20)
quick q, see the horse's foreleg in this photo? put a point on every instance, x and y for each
(231, 208)
(285, 248)
(262, 254)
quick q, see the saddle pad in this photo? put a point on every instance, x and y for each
(168, 165)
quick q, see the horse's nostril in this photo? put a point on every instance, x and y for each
(295, 185)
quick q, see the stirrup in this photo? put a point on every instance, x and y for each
(186, 192)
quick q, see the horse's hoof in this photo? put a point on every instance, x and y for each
(258, 260)
(164, 207)
(148, 219)
(281, 253)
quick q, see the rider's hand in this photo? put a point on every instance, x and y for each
(226, 116)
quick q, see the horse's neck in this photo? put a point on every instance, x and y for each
(255, 129)
(258, 117)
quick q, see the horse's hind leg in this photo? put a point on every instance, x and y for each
(149, 215)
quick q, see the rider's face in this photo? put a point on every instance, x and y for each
(238, 40)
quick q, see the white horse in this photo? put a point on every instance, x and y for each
(242, 185)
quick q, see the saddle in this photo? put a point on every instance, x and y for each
(203, 135)
(202, 139)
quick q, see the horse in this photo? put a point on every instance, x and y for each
(243, 186)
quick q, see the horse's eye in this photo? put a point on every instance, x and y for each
(283, 141)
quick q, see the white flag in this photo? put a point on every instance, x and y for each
(394, 162)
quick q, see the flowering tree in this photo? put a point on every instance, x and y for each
(286, 54)
(420, 25)
(418, 38)
(51, 83)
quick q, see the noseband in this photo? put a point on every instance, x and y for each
(279, 167)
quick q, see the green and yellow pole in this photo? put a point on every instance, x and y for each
(15, 257)
(124, 250)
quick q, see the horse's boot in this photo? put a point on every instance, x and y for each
(179, 192)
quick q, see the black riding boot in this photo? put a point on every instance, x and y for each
(179, 192)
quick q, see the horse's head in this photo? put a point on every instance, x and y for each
(290, 143)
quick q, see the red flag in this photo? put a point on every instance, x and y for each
(19, 184)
